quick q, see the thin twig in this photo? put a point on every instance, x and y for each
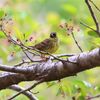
(21, 63)
(76, 42)
(28, 89)
(93, 16)
(22, 46)
(43, 52)
(32, 52)
(88, 27)
(94, 5)
(90, 98)
(70, 29)
(27, 93)
(62, 60)
(64, 55)
(27, 48)
(27, 55)
(31, 58)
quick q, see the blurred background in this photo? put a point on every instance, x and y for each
(36, 19)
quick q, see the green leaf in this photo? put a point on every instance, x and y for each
(59, 91)
(82, 86)
(19, 34)
(2, 34)
(50, 84)
(81, 97)
(96, 42)
(67, 87)
(1, 13)
(15, 48)
(92, 33)
(81, 83)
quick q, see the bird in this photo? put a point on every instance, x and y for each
(49, 45)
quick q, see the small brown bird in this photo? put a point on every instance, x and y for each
(49, 45)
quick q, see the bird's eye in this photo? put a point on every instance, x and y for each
(53, 35)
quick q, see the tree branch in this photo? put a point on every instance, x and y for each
(28, 89)
(27, 93)
(49, 71)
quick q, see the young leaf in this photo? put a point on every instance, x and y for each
(1, 13)
(2, 34)
(92, 33)
(19, 35)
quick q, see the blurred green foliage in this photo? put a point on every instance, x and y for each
(36, 19)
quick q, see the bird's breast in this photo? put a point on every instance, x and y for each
(54, 46)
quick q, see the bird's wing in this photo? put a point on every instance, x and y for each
(44, 45)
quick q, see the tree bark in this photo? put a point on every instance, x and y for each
(49, 71)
